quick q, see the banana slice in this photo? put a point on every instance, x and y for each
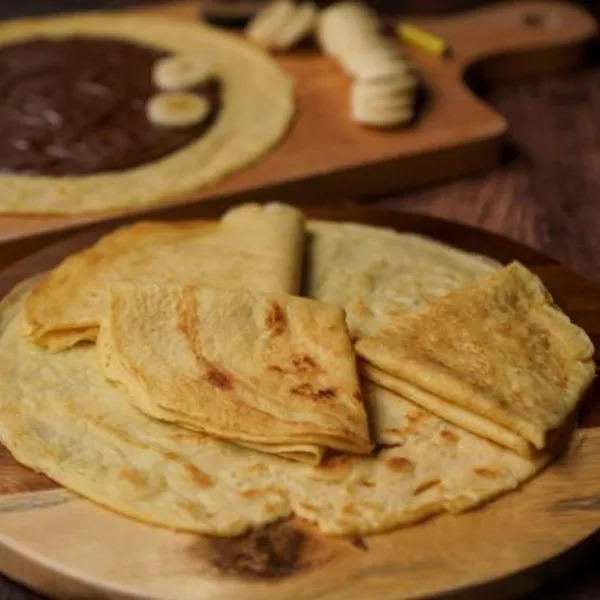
(389, 116)
(177, 109)
(181, 71)
(344, 25)
(298, 27)
(365, 99)
(268, 23)
(374, 65)
(348, 14)
(383, 119)
(395, 86)
(376, 106)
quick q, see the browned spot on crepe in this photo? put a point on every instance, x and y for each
(275, 320)
(486, 473)
(448, 435)
(200, 478)
(219, 379)
(304, 363)
(335, 463)
(306, 389)
(309, 506)
(427, 485)
(400, 464)
(135, 477)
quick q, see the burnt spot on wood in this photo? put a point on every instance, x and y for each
(218, 379)
(359, 542)
(270, 552)
(275, 320)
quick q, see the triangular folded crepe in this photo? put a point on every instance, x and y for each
(453, 413)
(498, 349)
(270, 371)
(254, 247)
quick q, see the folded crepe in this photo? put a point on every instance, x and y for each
(497, 358)
(377, 273)
(270, 371)
(61, 417)
(253, 247)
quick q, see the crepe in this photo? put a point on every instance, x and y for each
(377, 273)
(271, 370)
(61, 417)
(252, 247)
(498, 348)
(258, 105)
(448, 411)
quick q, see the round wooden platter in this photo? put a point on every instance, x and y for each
(67, 547)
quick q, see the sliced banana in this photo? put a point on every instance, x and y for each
(378, 106)
(177, 109)
(398, 85)
(369, 65)
(389, 116)
(181, 71)
(297, 28)
(345, 25)
(348, 14)
(379, 119)
(364, 98)
(384, 87)
(268, 22)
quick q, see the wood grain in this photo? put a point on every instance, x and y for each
(68, 547)
(327, 155)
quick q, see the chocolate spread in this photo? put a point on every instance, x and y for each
(77, 105)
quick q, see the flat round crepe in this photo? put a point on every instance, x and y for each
(61, 417)
(257, 104)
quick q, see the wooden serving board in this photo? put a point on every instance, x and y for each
(326, 156)
(67, 547)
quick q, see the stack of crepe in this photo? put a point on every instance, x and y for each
(172, 372)
(496, 358)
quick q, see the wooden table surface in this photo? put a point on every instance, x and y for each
(546, 195)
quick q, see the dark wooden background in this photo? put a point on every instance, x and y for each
(546, 194)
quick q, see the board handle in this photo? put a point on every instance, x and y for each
(513, 40)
